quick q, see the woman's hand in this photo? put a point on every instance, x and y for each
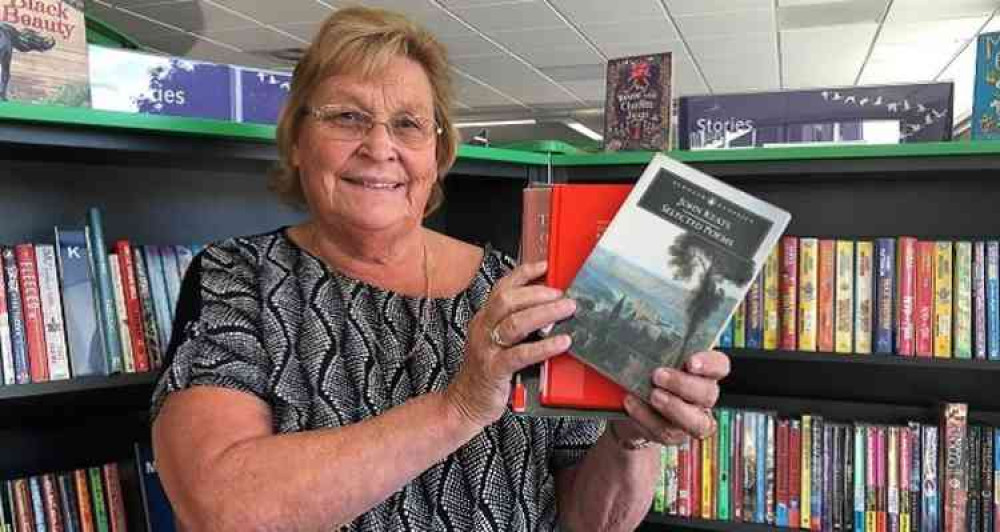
(515, 309)
(680, 403)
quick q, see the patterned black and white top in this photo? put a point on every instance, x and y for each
(261, 315)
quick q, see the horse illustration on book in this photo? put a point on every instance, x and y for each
(23, 40)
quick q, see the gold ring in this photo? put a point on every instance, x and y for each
(495, 337)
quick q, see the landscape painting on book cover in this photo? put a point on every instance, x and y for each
(664, 278)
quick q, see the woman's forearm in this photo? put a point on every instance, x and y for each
(611, 489)
(316, 479)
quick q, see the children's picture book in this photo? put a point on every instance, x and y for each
(667, 272)
(638, 103)
(43, 53)
(986, 99)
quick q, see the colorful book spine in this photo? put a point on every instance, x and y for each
(695, 474)
(736, 466)
(37, 503)
(986, 479)
(808, 287)
(116, 503)
(973, 491)
(50, 498)
(781, 482)
(858, 507)
(97, 494)
(962, 333)
(755, 312)
(726, 337)
(906, 292)
(916, 474)
(924, 314)
(171, 276)
(993, 299)
(844, 298)
(750, 466)
(148, 312)
(825, 300)
(770, 466)
(789, 289)
(52, 312)
(158, 288)
(885, 260)
(739, 318)
(881, 479)
(903, 469)
(930, 498)
(18, 336)
(760, 505)
(6, 348)
(67, 499)
(684, 478)
(669, 484)
(133, 308)
(805, 490)
(943, 301)
(707, 480)
(84, 502)
(121, 314)
(723, 462)
(863, 300)
(892, 478)
(31, 305)
(871, 478)
(794, 473)
(83, 336)
(979, 298)
(816, 475)
(996, 479)
(955, 464)
(106, 313)
(772, 320)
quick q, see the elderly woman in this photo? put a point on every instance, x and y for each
(354, 370)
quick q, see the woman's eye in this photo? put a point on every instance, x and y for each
(406, 122)
(349, 118)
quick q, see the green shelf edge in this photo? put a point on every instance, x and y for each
(198, 127)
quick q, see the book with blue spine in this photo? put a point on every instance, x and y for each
(860, 437)
(979, 298)
(930, 499)
(83, 336)
(37, 502)
(107, 313)
(755, 312)
(171, 276)
(993, 299)
(885, 260)
(6, 347)
(726, 338)
(158, 287)
(15, 313)
(760, 505)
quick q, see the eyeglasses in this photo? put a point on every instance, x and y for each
(350, 123)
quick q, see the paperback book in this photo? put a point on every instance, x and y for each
(667, 273)
(638, 104)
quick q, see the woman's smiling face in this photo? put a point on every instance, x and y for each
(374, 183)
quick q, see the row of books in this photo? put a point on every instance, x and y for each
(84, 500)
(70, 308)
(816, 474)
(901, 295)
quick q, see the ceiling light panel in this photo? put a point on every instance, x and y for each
(826, 14)
(937, 10)
(697, 7)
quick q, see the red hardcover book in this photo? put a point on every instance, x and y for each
(794, 473)
(906, 269)
(133, 307)
(781, 482)
(827, 281)
(788, 288)
(684, 478)
(31, 302)
(924, 300)
(579, 215)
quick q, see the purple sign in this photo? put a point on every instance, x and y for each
(188, 88)
(921, 112)
(262, 94)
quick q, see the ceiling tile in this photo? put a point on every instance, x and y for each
(274, 12)
(302, 30)
(515, 79)
(824, 57)
(126, 23)
(506, 17)
(962, 73)
(422, 12)
(261, 39)
(476, 95)
(194, 16)
(555, 57)
(469, 45)
(726, 23)
(460, 4)
(630, 49)
(639, 32)
(608, 12)
(805, 15)
(590, 90)
(741, 76)
(918, 51)
(936, 10)
(747, 47)
(692, 7)
(206, 51)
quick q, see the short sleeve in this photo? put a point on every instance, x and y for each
(216, 338)
(572, 438)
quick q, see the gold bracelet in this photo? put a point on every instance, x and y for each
(628, 445)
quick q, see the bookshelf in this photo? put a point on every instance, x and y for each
(175, 180)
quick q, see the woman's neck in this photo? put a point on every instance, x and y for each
(399, 262)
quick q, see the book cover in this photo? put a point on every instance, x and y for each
(31, 305)
(107, 315)
(638, 103)
(754, 304)
(985, 120)
(794, 473)
(808, 286)
(844, 298)
(150, 327)
(954, 464)
(772, 320)
(643, 306)
(930, 517)
(18, 336)
(83, 336)
(979, 298)
(83, 499)
(962, 333)
(99, 499)
(885, 287)
(864, 274)
(992, 299)
(133, 308)
(118, 292)
(6, 347)
(43, 52)
(825, 299)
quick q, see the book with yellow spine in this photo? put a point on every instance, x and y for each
(863, 287)
(963, 300)
(844, 298)
(943, 275)
(771, 320)
(808, 279)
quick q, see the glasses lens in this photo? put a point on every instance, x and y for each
(410, 130)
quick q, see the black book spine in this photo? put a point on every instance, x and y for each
(986, 481)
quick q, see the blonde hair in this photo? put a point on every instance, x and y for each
(364, 40)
